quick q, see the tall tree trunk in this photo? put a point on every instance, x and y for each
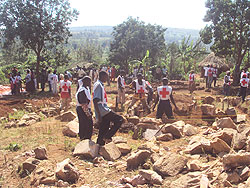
(236, 74)
(37, 69)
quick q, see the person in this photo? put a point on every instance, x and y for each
(28, 81)
(54, 81)
(69, 75)
(121, 88)
(244, 82)
(33, 80)
(150, 92)
(140, 69)
(19, 83)
(164, 71)
(113, 74)
(191, 81)
(215, 72)
(243, 72)
(50, 80)
(104, 115)
(227, 83)
(140, 90)
(11, 81)
(205, 74)
(158, 73)
(65, 90)
(43, 79)
(135, 71)
(210, 76)
(164, 95)
(83, 109)
(80, 73)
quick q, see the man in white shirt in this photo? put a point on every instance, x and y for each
(205, 74)
(54, 81)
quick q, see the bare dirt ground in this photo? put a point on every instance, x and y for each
(48, 132)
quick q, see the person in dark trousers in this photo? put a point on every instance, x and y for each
(104, 115)
(164, 94)
(244, 82)
(83, 109)
(43, 79)
(227, 83)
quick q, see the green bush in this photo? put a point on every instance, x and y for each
(13, 147)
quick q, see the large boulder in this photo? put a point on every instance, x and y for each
(30, 164)
(165, 137)
(226, 123)
(149, 134)
(71, 129)
(151, 176)
(226, 135)
(67, 116)
(231, 112)
(208, 100)
(110, 152)
(208, 109)
(170, 165)
(239, 141)
(138, 158)
(124, 148)
(198, 145)
(219, 146)
(41, 153)
(237, 159)
(86, 149)
(176, 129)
(67, 171)
(190, 130)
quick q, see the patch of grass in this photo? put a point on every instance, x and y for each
(13, 147)
(69, 145)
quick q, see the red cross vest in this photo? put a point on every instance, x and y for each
(122, 81)
(65, 86)
(244, 82)
(140, 88)
(87, 93)
(191, 77)
(210, 72)
(164, 92)
(104, 94)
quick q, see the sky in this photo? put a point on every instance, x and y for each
(186, 14)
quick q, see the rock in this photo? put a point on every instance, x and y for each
(149, 134)
(235, 101)
(165, 137)
(138, 180)
(126, 127)
(231, 112)
(150, 146)
(138, 132)
(31, 116)
(239, 141)
(41, 153)
(208, 100)
(61, 183)
(192, 179)
(241, 118)
(135, 120)
(233, 177)
(23, 123)
(110, 152)
(124, 148)
(151, 176)
(198, 145)
(154, 157)
(71, 129)
(170, 165)
(145, 126)
(30, 164)
(190, 130)
(208, 109)
(48, 180)
(226, 135)
(242, 127)
(235, 160)
(67, 116)
(176, 129)
(67, 171)
(219, 146)
(119, 140)
(10, 125)
(150, 120)
(87, 149)
(193, 165)
(220, 113)
(244, 173)
(138, 158)
(226, 123)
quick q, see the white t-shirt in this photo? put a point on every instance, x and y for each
(206, 69)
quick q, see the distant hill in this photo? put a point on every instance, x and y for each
(95, 32)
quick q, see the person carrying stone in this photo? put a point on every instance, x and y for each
(164, 95)
(140, 87)
(83, 109)
(121, 88)
(103, 113)
(65, 90)
(244, 82)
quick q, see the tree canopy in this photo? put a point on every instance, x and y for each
(39, 24)
(133, 38)
(229, 30)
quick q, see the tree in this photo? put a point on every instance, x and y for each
(38, 24)
(229, 30)
(132, 39)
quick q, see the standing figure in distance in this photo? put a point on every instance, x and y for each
(191, 82)
(65, 90)
(244, 82)
(121, 88)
